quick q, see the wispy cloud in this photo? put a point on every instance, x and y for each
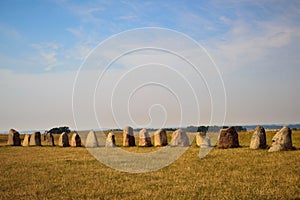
(87, 12)
(128, 17)
(48, 55)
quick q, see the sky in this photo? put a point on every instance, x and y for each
(53, 53)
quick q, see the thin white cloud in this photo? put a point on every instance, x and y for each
(128, 17)
(79, 51)
(48, 53)
(77, 32)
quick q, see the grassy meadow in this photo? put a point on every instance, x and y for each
(72, 173)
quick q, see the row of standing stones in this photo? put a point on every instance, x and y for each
(35, 139)
(228, 138)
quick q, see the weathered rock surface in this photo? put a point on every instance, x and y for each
(26, 140)
(110, 140)
(282, 140)
(180, 138)
(75, 140)
(258, 140)
(63, 140)
(13, 138)
(48, 137)
(35, 139)
(128, 137)
(228, 138)
(144, 138)
(202, 140)
(160, 138)
(91, 140)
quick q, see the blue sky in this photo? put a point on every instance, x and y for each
(254, 43)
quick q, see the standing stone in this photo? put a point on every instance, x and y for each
(202, 140)
(160, 138)
(63, 140)
(282, 140)
(14, 138)
(75, 140)
(91, 140)
(228, 138)
(144, 138)
(35, 139)
(258, 140)
(128, 137)
(110, 140)
(26, 140)
(48, 137)
(180, 138)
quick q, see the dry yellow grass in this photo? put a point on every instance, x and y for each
(72, 173)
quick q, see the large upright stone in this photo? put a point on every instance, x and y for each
(75, 140)
(14, 138)
(63, 140)
(26, 140)
(160, 138)
(91, 140)
(128, 137)
(35, 139)
(48, 137)
(180, 138)
(282, 140)
(202, 140)
(228, 138)
(144, 138)
(110, 140)
(258, 140)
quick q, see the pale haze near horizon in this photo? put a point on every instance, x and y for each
(254, 44)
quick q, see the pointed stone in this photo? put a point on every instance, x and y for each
(91, 140)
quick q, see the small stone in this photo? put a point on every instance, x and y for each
(258, 140)
(160, 138)
(180, 138)
(144, 138)
(282, 140)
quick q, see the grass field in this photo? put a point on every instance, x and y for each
(72, 173)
